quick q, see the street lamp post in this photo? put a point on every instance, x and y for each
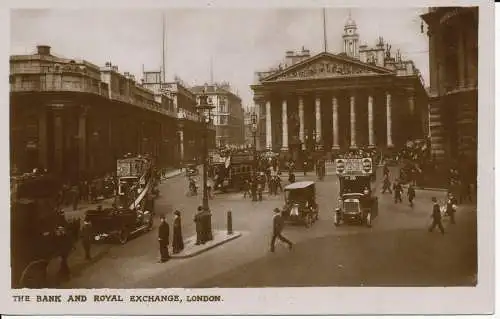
(204, 109)
(254, 133)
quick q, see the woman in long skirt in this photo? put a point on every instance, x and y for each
(178, 242)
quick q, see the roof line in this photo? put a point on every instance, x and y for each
(304, 62)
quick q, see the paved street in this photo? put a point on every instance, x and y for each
(398, 250)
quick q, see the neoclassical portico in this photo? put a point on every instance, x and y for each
(332, 102)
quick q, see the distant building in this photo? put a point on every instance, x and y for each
(362, 97)
(227, 114)
(183, 103)
(75, 118)
(453, 63)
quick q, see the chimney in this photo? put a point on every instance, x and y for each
(43, 49)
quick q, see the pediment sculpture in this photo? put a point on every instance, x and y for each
(323, 69)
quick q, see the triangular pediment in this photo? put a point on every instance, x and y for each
(326, 65)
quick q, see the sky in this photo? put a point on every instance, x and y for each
(238, 41)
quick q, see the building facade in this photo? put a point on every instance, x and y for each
(189, 130)
(453, 63)
(75, 119)
(362, 97)
(227, 115)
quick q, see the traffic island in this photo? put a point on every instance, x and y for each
(191, 249)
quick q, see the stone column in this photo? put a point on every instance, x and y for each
(461, 58)
(42, 138)
(269, 128)
(318, 119)
(82, 139)
(389, 119)
(301, 122)
(181, 144)
(335, 114)
(284, 118)
(353, 120)
(413, 120)
(58, 140)
(371, 135)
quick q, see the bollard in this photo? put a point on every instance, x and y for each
(229, 223)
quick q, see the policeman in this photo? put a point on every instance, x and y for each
(436, 216)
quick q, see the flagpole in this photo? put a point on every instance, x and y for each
(163, 47)
(325, 42)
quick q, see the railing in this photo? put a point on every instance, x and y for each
(83, 88)
(44, 87)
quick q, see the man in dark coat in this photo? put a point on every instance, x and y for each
(163, 238)
(177, 241)
(278, 224)
(411, 194)
(86, 238)
(451, 207)
(436, 216)
(65, 247)
(199, 227)
(398, 190)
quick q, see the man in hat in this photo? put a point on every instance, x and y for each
(198, 218)
(451, 207)
(411, 194)
(86, 237)
(163, 238)
(278, 224)
(436, 216)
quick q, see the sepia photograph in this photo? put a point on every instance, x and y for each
(226, 147)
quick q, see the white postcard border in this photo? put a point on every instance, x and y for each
(287, 300)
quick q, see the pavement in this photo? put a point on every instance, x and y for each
(397, 250)
(76, 259)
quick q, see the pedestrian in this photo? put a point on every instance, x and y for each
(278, 225)
(291, 178)
(305, 167)
(163, 239)
(398, 190)
(177, 241)
(199, 227)
(279, 187)
(86, 235)
(246, 189)
(411, 194)
(65, 247)
(259, 190)
(436, 216)
(254, 189)
(451, 207)
(386, 170)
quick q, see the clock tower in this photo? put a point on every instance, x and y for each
(351, 39)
